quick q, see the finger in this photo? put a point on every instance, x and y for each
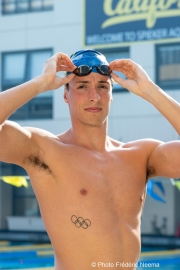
(121, 70)
(114, 62)
(64, 68)
(117, 66)
(122, 62)
(118, 79)
(49, 64)
(65, 63)
(62, 81)
(128, 70)
(123, 65)
(68, 78)
(117, 63)
(63, 57)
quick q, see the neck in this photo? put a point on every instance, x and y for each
(91, 137)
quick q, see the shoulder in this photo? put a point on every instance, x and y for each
(143, 153)
(143, 144)
(145, 149)
(39, 132)
(42, 135)
(44, 139)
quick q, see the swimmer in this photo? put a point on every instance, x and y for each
(90, 188)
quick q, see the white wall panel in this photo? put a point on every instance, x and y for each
(14, 22)
(44, 19)
(143, 54)
(61, 109)
(13, 40)
(128, 104)
(134, 128)
(68, 12)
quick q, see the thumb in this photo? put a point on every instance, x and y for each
(59, 81)
(118, 79)
(68, 78)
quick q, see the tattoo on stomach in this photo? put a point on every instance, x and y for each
(80, 222)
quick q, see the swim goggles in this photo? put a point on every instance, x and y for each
(84, 70)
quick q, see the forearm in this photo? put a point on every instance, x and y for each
(165, 104)
(14, 98)
(139, 83)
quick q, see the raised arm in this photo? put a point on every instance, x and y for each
(164, 158)
(16, 142)
(140, 84)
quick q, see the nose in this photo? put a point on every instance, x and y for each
(94, 95)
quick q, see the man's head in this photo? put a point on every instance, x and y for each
(88, 61)
(91, 88)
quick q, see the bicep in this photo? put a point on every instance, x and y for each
(165, 159)
(16, 142)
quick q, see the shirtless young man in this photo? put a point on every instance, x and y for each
(90, 188)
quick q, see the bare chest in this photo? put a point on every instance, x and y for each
(90, 200)
(114, 183)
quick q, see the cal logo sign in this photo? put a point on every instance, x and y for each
(109, 22)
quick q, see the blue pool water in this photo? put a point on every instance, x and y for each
(42, 256)
(25, 256)
(159, 258)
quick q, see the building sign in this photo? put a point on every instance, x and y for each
(110, 22)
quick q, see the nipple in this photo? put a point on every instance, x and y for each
(83, 191)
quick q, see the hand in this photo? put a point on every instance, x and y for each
(137, 80)
(58, 62)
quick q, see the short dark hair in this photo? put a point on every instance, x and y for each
(66, 86)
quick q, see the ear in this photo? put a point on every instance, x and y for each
(66, 92)
(111, 97)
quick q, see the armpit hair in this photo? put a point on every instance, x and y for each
(37, 162)
(150, 172)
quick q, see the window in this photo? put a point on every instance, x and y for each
(19, 67)
(24, 200)
(168, 66)
(113, 54)
(20, 6)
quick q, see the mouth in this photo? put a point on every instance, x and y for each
(93, 109)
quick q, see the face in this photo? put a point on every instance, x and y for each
(89, 98)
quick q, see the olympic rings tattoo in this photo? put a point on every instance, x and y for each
(80, 222)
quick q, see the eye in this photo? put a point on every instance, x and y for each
(81, 86)
(103, 86)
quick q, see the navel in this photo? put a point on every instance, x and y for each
(83, 191)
